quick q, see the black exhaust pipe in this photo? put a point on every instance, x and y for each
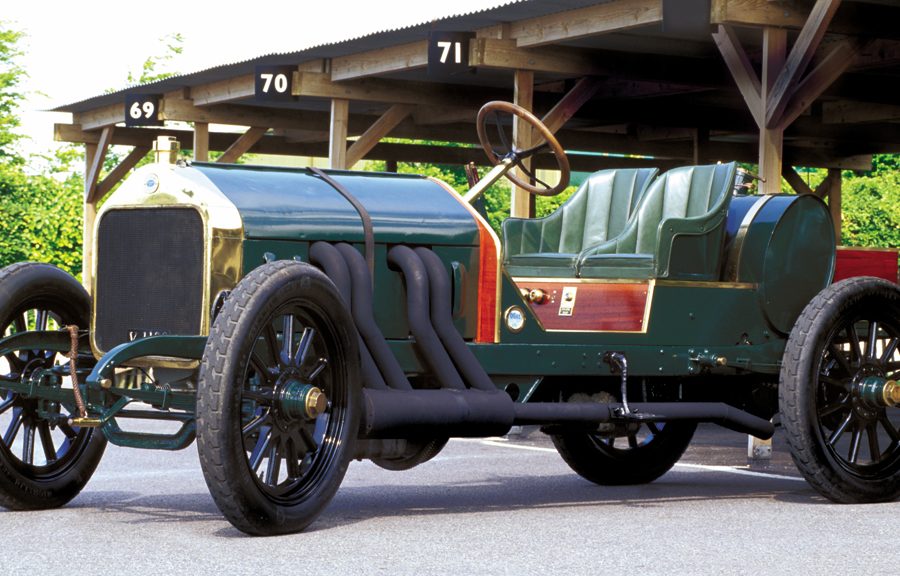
(327, 257)
(442, 320)
(418, 306)
(361, 308)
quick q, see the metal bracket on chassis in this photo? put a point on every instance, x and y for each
(618, 364)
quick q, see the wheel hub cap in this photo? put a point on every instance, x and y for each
(877, 391)
(296, 399)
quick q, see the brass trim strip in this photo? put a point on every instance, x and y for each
(733, 261)
(566, 280)
(705, 284)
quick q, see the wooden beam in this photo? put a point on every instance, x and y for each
(592, 20)
(819, 79)
(745, 76)
(381, 61)
(850, 112)
(92, 175)
(308, 84)
(571, 103)
(227, 90)
(116, 174)
(376, 132)
(506, 54)
(522, 203)
(798, 60)
(771, 139)
(201, 141)
(337, 147)
(796, 182)
(242, 144)
(242, 115)
(100, 117)
(834, 202)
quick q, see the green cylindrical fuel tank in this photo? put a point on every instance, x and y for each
(785, 244)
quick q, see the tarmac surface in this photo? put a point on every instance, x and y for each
(496, 506)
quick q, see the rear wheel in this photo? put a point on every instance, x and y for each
(44, 461)
(838, 393)
(278, 399)
(623, 454)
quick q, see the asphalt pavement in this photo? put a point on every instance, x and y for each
(497, 506)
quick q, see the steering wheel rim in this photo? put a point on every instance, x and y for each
(549, 140)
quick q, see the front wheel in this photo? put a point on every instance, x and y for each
(44, 461)
(278, 399)
(839, 395)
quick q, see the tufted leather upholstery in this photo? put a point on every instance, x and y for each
(677, 230)
(597, 211)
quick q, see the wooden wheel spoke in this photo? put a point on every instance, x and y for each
(304, 346)
(47, 442)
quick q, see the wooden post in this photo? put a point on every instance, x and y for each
(201, 141)
(522, 203)
(701, 145)
(337, 139)
(771, 139)
(89, 217)
(834, 201)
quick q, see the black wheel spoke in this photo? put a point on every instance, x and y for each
(13, 429)
(287, 337)
(533, 150)
(889, 350)
(7, 404)
(303, 348)
(632, 439)
(14, 361)
(321, 364)
(40, 320)
(853, 456)
(839, 431)
(20, 323)
(871, 339)
(310, 442)
(47, 442)
(889, 427)
(293, 460)
(855, 347)
(273, 466)
(254, 424)
(531, 175)
(653, 428)
(28, 444)
(259, 366)
(70, 432)
(874, 449)
(838, 356)
(262, 446)
(842, 384)
(264, 397)
(272, 343)
(835, 407)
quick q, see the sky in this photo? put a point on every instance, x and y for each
(75, 50)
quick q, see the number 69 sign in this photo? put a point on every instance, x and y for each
(142, 110)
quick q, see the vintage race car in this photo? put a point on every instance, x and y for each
(292, 320)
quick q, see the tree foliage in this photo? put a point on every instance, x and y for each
(11, 75)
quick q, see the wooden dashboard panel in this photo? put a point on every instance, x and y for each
(588, 306)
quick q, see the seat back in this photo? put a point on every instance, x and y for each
(681, 193)
(597, 211)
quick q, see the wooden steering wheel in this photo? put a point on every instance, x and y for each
(508, 150)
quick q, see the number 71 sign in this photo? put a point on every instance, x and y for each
(448, 53)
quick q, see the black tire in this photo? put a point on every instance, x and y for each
(823, 411)
(622, 454)
(247, 371)
(44, 462)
